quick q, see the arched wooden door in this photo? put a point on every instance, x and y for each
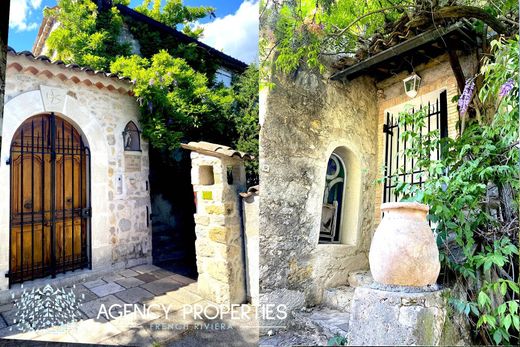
(50, 202)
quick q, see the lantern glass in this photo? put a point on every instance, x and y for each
(411, 85)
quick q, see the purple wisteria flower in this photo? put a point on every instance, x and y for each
(151, 82)
(466, 96)
(506, 87)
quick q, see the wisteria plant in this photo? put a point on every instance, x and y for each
(472, 191)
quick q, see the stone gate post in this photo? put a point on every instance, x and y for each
(218, 175)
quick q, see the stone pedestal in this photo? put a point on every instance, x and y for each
(218, 175)
(381, 317)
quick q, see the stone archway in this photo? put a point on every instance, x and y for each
(57, 100)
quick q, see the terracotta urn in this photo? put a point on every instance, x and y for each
(403, 250)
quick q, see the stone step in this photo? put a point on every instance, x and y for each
(339, 298)
(324, 321)
(360, 279)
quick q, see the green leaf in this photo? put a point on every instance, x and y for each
(497, 337)
(503, 288)
(507, 322)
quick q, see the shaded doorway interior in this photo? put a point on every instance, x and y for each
(173, 206)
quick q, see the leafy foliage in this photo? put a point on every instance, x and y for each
(174, 82)
(174, 99)
(299, 33)
(245, 114)
(473, 196)
(175, 13)
(86, 36)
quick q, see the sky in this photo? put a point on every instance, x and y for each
(234, 31)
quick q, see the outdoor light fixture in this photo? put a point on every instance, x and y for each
(411, 85)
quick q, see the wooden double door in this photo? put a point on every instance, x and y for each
(50, 211)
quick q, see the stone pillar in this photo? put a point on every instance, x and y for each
(217, 180)
(381, 317)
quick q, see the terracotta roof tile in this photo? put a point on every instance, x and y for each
(213, 148)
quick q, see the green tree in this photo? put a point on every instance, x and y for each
(299, 33)
(245, 115)
(173, 82)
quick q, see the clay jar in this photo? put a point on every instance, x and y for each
(403, 250)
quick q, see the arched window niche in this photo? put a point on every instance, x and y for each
(132, 137)
(341, 198)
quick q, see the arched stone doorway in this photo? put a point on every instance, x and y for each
(50, 199)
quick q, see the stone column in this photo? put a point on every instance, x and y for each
(217, 179)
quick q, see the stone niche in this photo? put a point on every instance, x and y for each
(217, 180)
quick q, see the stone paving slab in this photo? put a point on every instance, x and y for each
(166, 300)
(130, 282)
(135, 319)
(184, 296)
(128, 273)
(95, 283)
(82, 293)
(146, 277)
(162, 286)
(91, 308)
(145, 268)
(112, 277)
(107, 289)
(132, 337)
(94, 331)
(161, 273)
(6, 307)
(134, 295)
(183, 279)
(10, 316)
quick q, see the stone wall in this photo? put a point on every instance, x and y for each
(99, 107)
(304, 121)
(250, 213)
(219, 244)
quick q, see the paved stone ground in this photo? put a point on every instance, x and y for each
(143, 284)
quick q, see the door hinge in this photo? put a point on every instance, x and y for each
(386, 129)
(8, 161)
(86, 213)
(7, 274)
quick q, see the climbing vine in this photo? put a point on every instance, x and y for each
(174, 82)
(473, 194)
(304, 33)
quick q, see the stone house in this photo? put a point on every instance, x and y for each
(325, 142)
(79, 126)
(172, 212)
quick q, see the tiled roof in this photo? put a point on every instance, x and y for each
(215, 149)
(60, 63)
(85, 75)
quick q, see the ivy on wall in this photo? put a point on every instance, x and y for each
(174, 82)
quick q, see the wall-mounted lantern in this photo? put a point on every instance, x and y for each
(131, 137)
(412, 84)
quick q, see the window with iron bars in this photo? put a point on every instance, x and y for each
(397, 166)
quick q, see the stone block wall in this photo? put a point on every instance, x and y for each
(99, 108)
(304, 120)
(219, 244)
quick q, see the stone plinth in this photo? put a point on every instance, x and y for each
(381, 317)
(217, 179)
